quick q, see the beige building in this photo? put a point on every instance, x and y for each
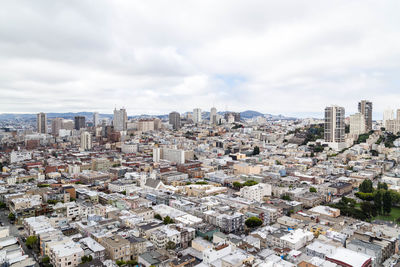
(244, 168)
(357, 124)
(101, 164)
(117, 248)
(146, 125)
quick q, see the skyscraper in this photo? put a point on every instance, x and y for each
(334, 124)
(357, 124)
(95, 119)
(197, 115)
(80, 122)
(56, 126)
(213, 116)
(41, 123)
(365, 108)
(86, 141)
(175, 120)
(120, 119)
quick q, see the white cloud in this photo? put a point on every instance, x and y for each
(288, 57)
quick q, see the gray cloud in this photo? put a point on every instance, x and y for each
(288, 57)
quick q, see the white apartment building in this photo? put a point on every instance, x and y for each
(120, 119)
(170, 154)
(74, 169)
(86, 141)
(212, 254)
(72, 210)
(66, 255)
(18, 156)
(256, 192)
(129, 148)
(297, 239)
(197, 115)
(357, 124)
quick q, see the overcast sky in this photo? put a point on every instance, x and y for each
(280, 57)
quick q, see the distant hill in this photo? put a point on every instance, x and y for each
(248, 114)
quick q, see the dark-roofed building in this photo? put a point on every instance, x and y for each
(340, 188)
(152, 258)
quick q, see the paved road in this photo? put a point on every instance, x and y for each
(18, 234)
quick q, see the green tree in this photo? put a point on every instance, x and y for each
(31, 241)
(158, 216)
(46, 259)
(123, 192)
(387, 203)
(286, 197)
(132, 263)
(256, 150)
(378, 202)
(383, 186)
(120, 263)
(237, 185)
(87, 258)
(168, 220)
(366, 186)
(11, 216)
(2, 205)
(250, 183)
(365, 196)
(253, 222)
(313, 190)
(170, 245)
(368, 209)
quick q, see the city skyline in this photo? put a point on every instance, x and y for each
(256, 55)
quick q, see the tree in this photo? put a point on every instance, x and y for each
(366, 186)
(313, 190)
(250, 183)
(170, 245)
(368, 209)
(132, 263)
(383, 186)
(253, 222)
(2, 205)
(286, 197)
(387, 202)
(11, 216)
(168, 220)
(86, 258)
(256, 150)
(123, 192)
(31, 241)
(237, 185)
(46, 259)
(158, 216)
(378, 202)
(120, 263)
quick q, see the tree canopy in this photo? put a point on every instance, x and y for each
(253, 222)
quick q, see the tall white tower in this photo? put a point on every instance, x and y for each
(86, 141)
(197, 115)
(95, 119)
(120, 119)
